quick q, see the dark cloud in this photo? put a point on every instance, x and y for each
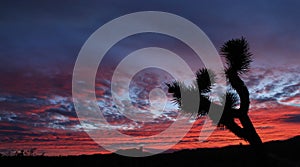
(265, 99)
(293, 118)
(291, 88)
(279, 95)
(62, 111)
(13, 128)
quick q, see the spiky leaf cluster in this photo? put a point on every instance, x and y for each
(188, 97)
(205, 78)
(237, 55)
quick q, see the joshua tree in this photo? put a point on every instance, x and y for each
(238, 58)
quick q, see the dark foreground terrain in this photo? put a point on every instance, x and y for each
(276, 153)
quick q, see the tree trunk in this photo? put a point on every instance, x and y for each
(250, 133)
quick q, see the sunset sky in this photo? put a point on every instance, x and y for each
(40, 42)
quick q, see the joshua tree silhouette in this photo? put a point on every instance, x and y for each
(238, 58)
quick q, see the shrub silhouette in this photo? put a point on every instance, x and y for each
(238, 58)
(21, 153)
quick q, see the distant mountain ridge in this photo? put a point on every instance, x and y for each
(278, 153)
